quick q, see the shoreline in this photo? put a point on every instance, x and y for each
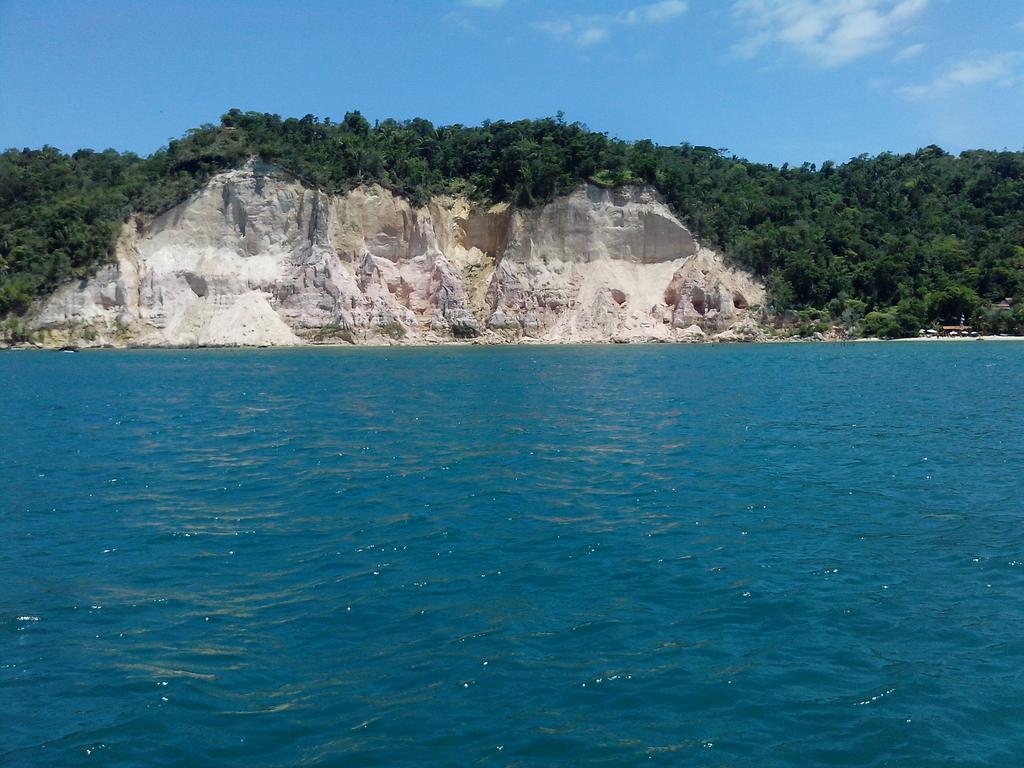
(947, 339)
(29, 347)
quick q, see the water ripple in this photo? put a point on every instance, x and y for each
(772, 556)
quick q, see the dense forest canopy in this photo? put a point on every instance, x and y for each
(887, 244)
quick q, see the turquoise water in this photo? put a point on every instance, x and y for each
(789, 555)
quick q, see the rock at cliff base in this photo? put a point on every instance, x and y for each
(693, 333)
(744, 331)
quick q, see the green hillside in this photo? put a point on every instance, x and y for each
(885, 244)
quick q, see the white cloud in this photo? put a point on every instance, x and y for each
(463, 23)
(582, 31)
(585, 31)
(591, 36)
(830, 33)
(555, 28)
(909, 52)
(973, 72)
(998, 68)
(656, 13)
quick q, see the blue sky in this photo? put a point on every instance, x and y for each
(771, 80)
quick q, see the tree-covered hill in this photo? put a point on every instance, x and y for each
(890, 243)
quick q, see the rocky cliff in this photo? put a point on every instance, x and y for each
(259, 258)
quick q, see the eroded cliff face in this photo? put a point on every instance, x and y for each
(258, 258)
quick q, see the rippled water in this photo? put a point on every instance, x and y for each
(806, 555)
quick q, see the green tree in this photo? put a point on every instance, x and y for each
(865, 238)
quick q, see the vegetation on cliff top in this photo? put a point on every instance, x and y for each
(891, 243)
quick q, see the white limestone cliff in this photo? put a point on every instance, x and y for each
(258, 258)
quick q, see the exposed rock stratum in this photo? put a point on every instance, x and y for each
(259, 258)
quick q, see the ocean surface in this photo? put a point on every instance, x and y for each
(776, 555)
